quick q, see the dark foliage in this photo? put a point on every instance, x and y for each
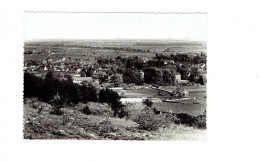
(45, 89)
(168, 77)
(184, 58)
(57, 104)
(147, 120)
(153, 76)
(192, 121)
(131, 76)
(186, 119)
(32, 85)
(148, 102)
(86, 110)
(113, 99)
(199, 59)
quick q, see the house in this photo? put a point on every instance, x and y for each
(179, 80)
(178, 77)
(78, 71)
(144, 59)
(141, 75)
(79, 80)
(131, 100)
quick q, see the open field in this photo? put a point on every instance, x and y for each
(110, 48)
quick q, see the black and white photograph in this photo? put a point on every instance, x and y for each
(115, 76)
(129, 81)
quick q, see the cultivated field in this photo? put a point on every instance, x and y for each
(97, 48)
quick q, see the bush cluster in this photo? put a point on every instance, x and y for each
(191, 121)
(147, 120)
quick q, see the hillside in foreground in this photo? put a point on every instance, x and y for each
(99, 124)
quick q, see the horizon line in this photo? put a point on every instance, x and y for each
(62, 39)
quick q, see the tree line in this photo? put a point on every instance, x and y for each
(45, 89)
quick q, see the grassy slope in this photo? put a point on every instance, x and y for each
(100, 125)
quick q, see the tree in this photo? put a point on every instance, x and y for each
(153, 76)
(168, 77)
(83, 72)
(49, 74)
(184, 71)
(183, 58)
(117, 79)
(102, 76)
(129, 63)
(87, 93)
(57, 104)
(33, 86)
(138, 64)
(90, 72)
(69, 78)
(202, 79)
(197, 59)
(113, 99)
(132, 76)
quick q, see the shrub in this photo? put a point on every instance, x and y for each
(105, 127)
(86, 110)
(148, 102)
(35, 105)
(123, 113)
(56, 111)
(57, 105)
(148, 121)
(186, 119)
(202, 120)
(27, 101)
(192, 121)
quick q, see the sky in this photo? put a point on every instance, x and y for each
(114, 26)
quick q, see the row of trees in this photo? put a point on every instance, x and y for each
(183, 58)
(150, 76)
(49, 88)
(45, 88)
(159, 76)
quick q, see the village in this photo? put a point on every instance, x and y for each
(108, 73)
